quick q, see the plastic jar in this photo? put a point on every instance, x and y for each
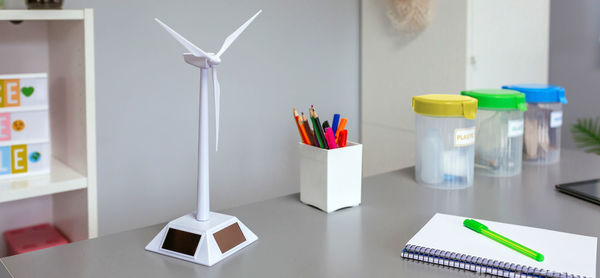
(445, 140)
(499, 136)
(543, 119)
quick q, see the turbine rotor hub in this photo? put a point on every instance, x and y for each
(213, 59)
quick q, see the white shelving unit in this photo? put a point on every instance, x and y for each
(42, 15)
(61, 43)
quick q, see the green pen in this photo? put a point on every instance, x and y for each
(482, 229)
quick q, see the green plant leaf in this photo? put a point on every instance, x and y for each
(586, 134)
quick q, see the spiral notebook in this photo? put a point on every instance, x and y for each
(445, 241)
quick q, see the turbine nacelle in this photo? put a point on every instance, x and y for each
(201, 61)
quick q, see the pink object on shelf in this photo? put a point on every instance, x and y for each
(33, 238)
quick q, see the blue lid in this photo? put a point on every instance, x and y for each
(540, 92)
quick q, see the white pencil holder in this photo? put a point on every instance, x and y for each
(330, 179)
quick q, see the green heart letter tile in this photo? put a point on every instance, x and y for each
(27, 91)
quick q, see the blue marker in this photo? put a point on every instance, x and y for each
(336, 121)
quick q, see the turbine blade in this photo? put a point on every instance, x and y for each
(231, 38)
(217, 91)
(183, 41)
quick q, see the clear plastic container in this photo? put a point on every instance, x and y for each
(499, 136)
(445, 137)
(543, 121)
(542, 133)
(499, 143)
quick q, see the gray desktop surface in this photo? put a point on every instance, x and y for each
(296, 240)
(4, 272)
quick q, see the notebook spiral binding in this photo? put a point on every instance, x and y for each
(478, 264)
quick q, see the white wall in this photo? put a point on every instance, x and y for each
(397, 66)
(296, 53)
(507, 42)
(470, 44)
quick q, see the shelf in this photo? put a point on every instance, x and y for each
(61, 179)
(41, 14)
(23, 108)
(60, 43)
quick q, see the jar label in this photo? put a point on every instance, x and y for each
(464, 137)
(515, 128)
(555, 119)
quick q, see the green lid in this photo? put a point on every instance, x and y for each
(498, 99)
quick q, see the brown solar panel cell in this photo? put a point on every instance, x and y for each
(181, 242)
(229, 237)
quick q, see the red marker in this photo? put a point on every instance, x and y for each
(342, 140)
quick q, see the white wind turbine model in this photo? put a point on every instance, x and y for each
(207, 237)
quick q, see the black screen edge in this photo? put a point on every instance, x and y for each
(566, 188)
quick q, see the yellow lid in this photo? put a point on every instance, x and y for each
(445, 105)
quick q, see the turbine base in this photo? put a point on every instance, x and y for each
(202, 242)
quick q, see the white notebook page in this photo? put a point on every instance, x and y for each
(563, 252)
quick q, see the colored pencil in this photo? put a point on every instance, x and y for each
(303, 133)
(318, 128)
(330, 138)
(315, 132)
(335, 123)
(341, 127)
(309, 132)
(300, 126)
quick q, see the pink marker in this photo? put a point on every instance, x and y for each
(330, 138)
